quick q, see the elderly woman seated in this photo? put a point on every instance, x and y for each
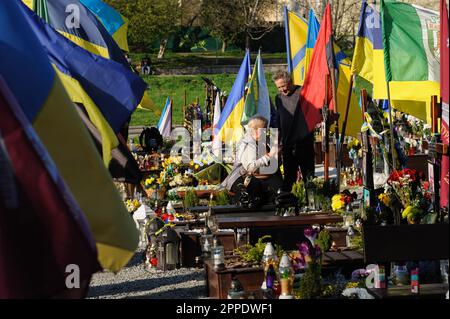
(251, 175)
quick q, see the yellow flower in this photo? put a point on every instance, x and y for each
(385, 199)
(352, 285)
(337, 202)
(411, 212)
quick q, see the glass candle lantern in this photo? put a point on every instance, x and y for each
(206, 241)
(218, 257)
(311, 196)
(236, 290)
(286, 274)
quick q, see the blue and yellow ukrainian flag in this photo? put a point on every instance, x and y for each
(28, 73)
(115, 23)
(77, 23)
(229, 128)
(114, 89)
(354, 120)
(296, 35)
(313, 31)
(90, 35)
(368, 63)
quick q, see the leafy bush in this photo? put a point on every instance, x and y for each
(254, 254)
(310, 286)
(324, 240)
(222, 198)
(190, 198)
(299, 191)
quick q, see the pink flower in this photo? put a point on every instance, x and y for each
(303, 248)
(311, 234)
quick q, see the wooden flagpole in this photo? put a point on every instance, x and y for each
(434, 157)
(391, 127)
(325, 133)
(344, 124)
(336, 131)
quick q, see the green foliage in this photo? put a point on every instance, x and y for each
(299, 191)
(149, 21)
(222, 198)
(254, 254)
(190, 198)
(310, 285)
(324, 240)
(222, 18)
(356, 241)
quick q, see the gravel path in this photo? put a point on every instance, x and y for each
(136, 282)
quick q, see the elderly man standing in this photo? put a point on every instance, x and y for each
(296, 141)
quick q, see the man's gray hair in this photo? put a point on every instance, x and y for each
(281, 74)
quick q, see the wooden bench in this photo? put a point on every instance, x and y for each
(403, 243)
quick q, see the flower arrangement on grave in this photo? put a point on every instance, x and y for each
(406, 191)
(132, 205)
(340, 201)
(322, 191)
(150, 182)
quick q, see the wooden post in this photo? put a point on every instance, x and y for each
(391, 127)
(171, 115)
(367, 169)
(344, 124)
(184, 105)
(434, 156)
(326, 134)
(336, 133)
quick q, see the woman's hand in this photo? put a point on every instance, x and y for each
(273, 152)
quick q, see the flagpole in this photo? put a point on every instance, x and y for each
(336, 133)
(325, 135)
(344, 124)
(391, 126)
(434, 158)
(171, 114)
(185, 104)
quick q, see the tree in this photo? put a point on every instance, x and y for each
(226, 19)
(256, 18)
(345, 15)
(222, 19)
(149, 21)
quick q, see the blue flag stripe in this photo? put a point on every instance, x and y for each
(30, 93)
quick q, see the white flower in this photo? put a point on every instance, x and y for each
(361, 293)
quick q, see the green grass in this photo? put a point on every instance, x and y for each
(161, 87)
(172, 60)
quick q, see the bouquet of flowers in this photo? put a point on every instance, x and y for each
(132, 205)
(339, 201)
(150, 182)
(407, 190)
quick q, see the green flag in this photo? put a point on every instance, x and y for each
(411, 48)
(257, 100)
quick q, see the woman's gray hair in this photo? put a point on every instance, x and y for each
(257, 121)
(282, 75)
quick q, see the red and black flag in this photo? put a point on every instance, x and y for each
(317, 88)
